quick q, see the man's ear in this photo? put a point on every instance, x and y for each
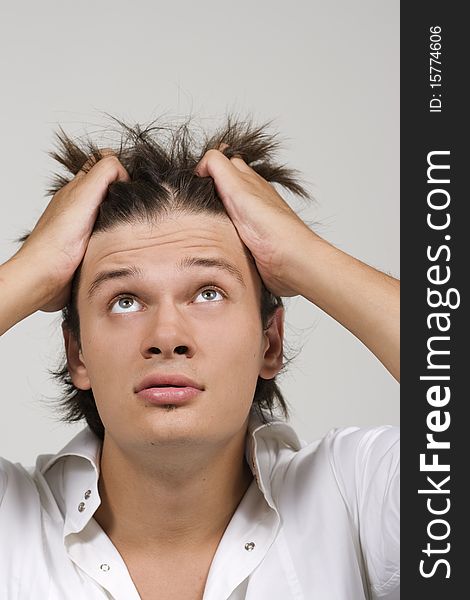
(76, 366)
(274, 337)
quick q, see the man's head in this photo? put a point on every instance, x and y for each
(190, 307)
(191, 301)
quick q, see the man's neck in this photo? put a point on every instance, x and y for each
(170, 500)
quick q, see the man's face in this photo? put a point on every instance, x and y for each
(183, 316)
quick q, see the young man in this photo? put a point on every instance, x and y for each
(179, 488)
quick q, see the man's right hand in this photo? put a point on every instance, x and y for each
(58, 242)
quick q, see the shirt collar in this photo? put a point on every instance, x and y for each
(266, 436)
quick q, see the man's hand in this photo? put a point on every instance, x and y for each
(265, 223)
(59, 240)
(292, 259)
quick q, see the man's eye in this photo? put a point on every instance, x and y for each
(125, 304)
(209, 295)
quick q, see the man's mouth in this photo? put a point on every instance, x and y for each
(167, 380)
(165, 395)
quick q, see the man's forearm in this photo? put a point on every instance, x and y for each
(21, 289)
(362, 299)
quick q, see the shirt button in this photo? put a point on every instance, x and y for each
(105, 567)
(249, 546)
(87, 494)
(81, 507)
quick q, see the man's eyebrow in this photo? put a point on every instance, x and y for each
(219, 263)
(134, 272)
(122, 273)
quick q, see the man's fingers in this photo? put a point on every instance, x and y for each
(215, 164)
(241, 165)
(99, 174)
(236, 159)
(104, 164)
(110, 169)
(91, 183)
(223, 170)
(92, 160)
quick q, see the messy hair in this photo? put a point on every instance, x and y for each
(160, 159)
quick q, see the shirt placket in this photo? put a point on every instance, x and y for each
(86, 543)
(94, 553)
(245, 543)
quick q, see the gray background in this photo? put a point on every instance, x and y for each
(327, 71)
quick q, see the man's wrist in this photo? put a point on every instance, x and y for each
(309, 269)
(23, 289)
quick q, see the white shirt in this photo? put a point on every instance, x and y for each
(319, 521)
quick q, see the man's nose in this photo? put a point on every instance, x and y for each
(168, 334)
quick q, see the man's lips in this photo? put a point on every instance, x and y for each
(173, 382)
(168, 395)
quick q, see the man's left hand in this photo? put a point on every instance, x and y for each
(265, 223)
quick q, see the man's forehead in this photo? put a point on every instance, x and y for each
(168, 241)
